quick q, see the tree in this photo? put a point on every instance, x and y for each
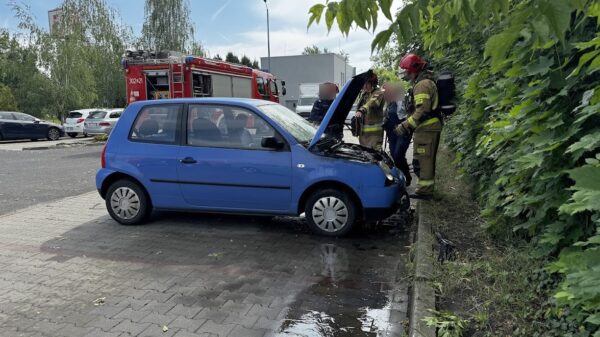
(246, 61)
(231, 58)
(7, 100)
(218, 57)
(314, 49)
(167, 25)
(255, 64)
(197, 49)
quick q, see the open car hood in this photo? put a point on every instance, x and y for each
(341, 106)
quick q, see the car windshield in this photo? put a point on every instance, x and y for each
(297, 126)
(307, 100)
(97, 115)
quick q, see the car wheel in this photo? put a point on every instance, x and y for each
(330, 212)
(53, 134)
(72, 135)
(1, 137)
(127, 203)
(85, 134)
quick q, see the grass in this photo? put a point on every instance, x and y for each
(486, 283)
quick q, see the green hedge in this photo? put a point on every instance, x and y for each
(528, 124)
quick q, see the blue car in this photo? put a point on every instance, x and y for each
(244, 156)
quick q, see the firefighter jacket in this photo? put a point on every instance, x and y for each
(319, 110)
(425, 98)
(372, 111)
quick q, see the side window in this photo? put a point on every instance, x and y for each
(157, 124)
(6, 115)
(273, 87)
(24, 117)
(260, 83)
(226, 127)
(116, 114)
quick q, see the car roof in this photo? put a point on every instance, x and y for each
(88, 110)
(207, 100)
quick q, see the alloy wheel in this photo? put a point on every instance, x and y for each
(53, 134)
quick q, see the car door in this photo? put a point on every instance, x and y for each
(8, 125)
(223, 165)
(151, 152)
(29, 128)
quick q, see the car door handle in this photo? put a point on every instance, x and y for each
(188, 160)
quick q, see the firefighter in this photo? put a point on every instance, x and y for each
(425, 122)
(395, 113)
(327, 93)
(370, 110)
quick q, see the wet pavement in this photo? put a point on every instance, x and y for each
(69, 270)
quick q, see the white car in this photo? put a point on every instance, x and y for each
(101, 121)
(75, 122)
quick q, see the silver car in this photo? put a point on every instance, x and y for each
(101, 121)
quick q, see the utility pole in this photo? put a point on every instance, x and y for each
(268, 38)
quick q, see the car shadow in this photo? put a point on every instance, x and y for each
(175, 238)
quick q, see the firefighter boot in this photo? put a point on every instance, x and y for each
(426, 142)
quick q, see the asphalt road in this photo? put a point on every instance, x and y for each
(30, 177)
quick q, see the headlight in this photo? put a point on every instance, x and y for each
(386, 171)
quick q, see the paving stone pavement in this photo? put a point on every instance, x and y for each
(69, 270)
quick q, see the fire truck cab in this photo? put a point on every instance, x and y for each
(162, 75)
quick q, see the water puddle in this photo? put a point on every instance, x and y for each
(351, 298)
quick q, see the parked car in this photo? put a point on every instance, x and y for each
(18, 125)
(101, 121)
(74, 122)
(265, 159)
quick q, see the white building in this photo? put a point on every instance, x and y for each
(314, 68)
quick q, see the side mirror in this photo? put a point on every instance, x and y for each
(37, 121)
(283, 83)
(283, 91)
(295, 105)
(272, 143)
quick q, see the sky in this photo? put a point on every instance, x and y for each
(239, 26)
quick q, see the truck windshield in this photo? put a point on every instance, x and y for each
(297, 126)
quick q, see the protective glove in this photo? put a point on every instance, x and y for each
(401, 131)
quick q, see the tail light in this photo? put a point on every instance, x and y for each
(104, 124)
(80, 120)
(103, 157)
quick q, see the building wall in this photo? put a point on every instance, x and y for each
(298, 69)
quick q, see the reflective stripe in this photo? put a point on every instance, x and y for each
(423, 182)
(372, 128)
(430, 121)
(412, 122)
(419, 98)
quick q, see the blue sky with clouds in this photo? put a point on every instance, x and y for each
(238, 26)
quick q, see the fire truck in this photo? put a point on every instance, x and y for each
(161, 75)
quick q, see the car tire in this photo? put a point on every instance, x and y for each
(85, 135)
(330, 212)
(53, 134)
(1, 137)
(72, 134)
(127, 203)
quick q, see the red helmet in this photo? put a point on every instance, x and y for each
(412, 63)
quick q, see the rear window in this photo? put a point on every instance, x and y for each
(97, 114)
(157, 124)
(74, 114)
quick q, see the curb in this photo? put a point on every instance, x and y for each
(64, 145)
(422, 297)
